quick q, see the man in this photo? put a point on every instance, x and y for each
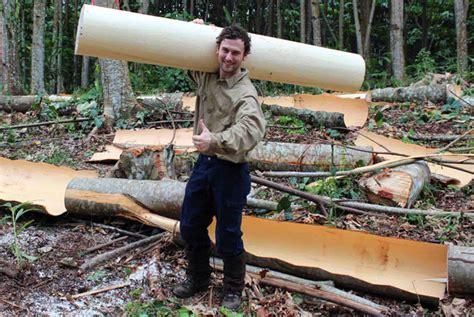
(228, 123)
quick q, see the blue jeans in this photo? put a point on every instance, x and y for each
(216, 188)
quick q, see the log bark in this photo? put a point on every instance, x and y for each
(103, 197)
(460, 270)
(316, 119)
(433, 93)
(399, 186)
(153, 163)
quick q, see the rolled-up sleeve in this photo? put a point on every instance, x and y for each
(245, 133)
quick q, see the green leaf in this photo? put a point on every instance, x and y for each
(284, 203)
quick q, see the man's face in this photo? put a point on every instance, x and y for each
(230, 55)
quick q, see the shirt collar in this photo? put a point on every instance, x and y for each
(231, 81)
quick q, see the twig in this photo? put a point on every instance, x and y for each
(100, 246)
(353, 204)
(170, 121)
(90, 263)
(38, 124)
(312, 288)
(13, 304)
(129, 233)
(460, 98)
(437, 137)
(455, 141)
(102, 290)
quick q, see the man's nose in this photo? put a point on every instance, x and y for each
(228, 56)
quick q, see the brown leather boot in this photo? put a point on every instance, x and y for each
(234, 281)
(198, 274)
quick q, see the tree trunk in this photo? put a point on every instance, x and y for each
(37, 49)
(85, 72)
(3, 53)
(278, 18)
(316, 21)
(303, 21)
(355, 7)
(341, 24)
(316, 119)
(11, 40)
(433, 93)
(396, 39)
(399, 186)
(367, 31)
(58, 82)
(164, 197)
(117, 89)
(258, 17)
(425, 23)
(460, 270)
(270, 18)
(144, 6)
(460, 11)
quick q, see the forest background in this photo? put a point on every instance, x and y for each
(401, 41)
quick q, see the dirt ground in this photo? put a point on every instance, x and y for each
(49, 286)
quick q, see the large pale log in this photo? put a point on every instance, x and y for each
(399, 186)
(148, 39)
(153, 163)
(317, 119)
(163, 197)
(24, 103)
(460, 270)
(435, 93)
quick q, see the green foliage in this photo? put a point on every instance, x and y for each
(295, 125)
(16, 212)
(155, 308)
(57, 156)
(228, 313)
(96, 276)
(424, 63)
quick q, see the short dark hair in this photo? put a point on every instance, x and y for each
(234, 32)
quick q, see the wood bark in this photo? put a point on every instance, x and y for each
(278, 18)
(37, 48)
(398, 186)
(155, 163)
(303, 21)
(58, 81)
(433, 93)
(355, 8)
(85, 72)
(316, 22)
(270, 18)
(341, 25)
(11, 40)
(460, 270)
(316, 119)
(3, 62)
(24, 103)
(396, 39)
(144, 7)
(460, 13)
(106, 197)
(119, 100)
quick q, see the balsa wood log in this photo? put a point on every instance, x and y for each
(460, 270)
(124, 35)
(163, 197)
(399, 186)
(435, 93)
(316, 119)
(153, 163)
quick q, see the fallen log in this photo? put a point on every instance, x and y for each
(316, 119)
(435, 93)
(153, 163)
(316, 289)
(399, 186)
(163, 197)
(24, 103)
(460, 270)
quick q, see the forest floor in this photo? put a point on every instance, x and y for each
(144, 277)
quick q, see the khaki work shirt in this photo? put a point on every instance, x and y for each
(231, 111)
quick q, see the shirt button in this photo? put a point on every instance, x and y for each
(208, 158)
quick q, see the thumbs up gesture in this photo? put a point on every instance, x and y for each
(202, 142)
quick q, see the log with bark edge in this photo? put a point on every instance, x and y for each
(154, 163)
(435, 93)
(399, 186)
(460, 270)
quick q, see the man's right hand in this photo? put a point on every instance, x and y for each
(198, 21)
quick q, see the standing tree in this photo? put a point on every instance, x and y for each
(119, 100)
(3, 68)
(363, 25)
(56, 65)
(144, 6)
(37, 48)
(341, 25)
(460, 11)
(11, 59)
(396, 39)
(316, 22)
(279, 21)
(302, 21)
